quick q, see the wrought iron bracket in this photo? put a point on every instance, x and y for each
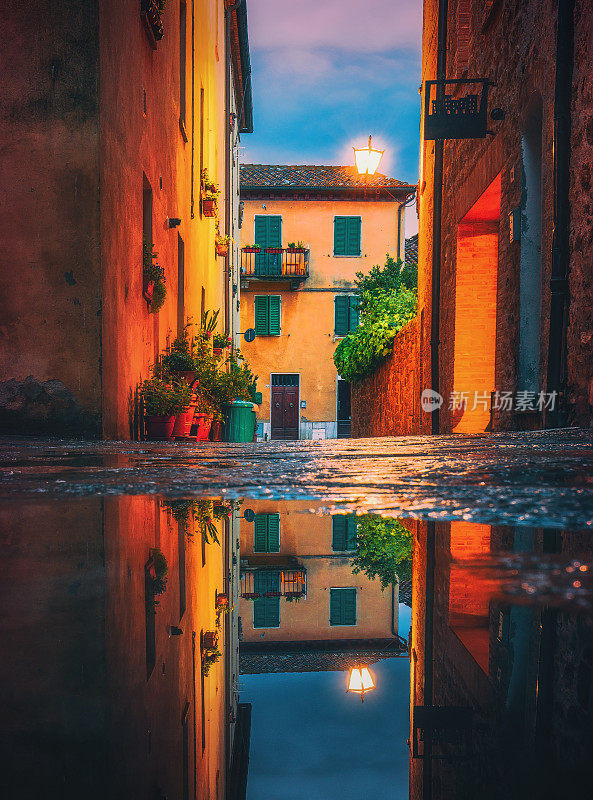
(449, 117)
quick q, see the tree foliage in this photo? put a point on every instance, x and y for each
(383, 549)
(388, 301)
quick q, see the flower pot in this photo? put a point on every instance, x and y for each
(159, 427)
(189, 376)
(210, 640)
(273, 249)
(222, 600)
(208, 208)
(203, 423)
(216, 430)
(252, 249)
(183, 422)
(147, 290)
(217, 352)
(295, 250)
(222, 250)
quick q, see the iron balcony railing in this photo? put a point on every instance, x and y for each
(260, 582)
(275, 263)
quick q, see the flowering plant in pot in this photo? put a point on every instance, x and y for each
(210, 193)
(222, 244)
(203, 417)
(220, 342)
(209, 657)
(252, 248)
(162, 402)
(299, 247)
(181, 359)
(154, 290)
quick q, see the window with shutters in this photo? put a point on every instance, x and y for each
(266, 533)
(344, 528)
(267, 314)
(347, 236)
(346, 314)
(342, 607)
(268, 230)
(266, 610)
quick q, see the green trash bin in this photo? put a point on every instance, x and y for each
(239, 421)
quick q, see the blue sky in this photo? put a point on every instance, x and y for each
(310, 739)
(327, 73)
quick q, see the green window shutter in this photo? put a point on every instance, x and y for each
(340, 236)
(353, 236)
(339, 522)
(351, 528)
(341, 307)
(342, 607)
(354, 313)
(274, 315)
(266, 612)
(261, 306)
(260, 539)
(273, 533)
(268, 231)
(261, 231)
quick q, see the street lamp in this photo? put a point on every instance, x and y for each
(360, 681)
(367, 159)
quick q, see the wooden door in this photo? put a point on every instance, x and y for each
(285, 412)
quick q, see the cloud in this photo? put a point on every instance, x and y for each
(372, 26)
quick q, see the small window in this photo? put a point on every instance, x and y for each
(347, 236)
(266, 533)
(344, 532)
(346, 314)
(266, 610)
(342, 606)
(267, 315)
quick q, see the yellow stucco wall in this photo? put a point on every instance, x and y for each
(307, 342)
(308, 536)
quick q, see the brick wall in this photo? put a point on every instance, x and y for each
(387, 403)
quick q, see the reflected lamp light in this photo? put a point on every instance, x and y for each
(360, 681)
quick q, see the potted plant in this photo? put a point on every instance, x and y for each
(153, 278)
(210, 192)
(162, 402)
(180, 360)
(209, 657)
(156, 577)
(203, 418)
(210, 640)
(151, 11)
(299, 247)
(273, 249)
(252, 248)
(222, 245)
(220, 342)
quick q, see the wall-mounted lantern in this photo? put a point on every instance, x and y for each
(447, 116)
(360, 681)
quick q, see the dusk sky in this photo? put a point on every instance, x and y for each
(326, 74)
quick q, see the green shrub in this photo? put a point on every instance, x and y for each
(383, 549)
(164, 399)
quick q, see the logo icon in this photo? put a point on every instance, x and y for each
(431, 400)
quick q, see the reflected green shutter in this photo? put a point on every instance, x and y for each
(261, 315)
(266, 610)
(341, 315)
(273, 533)
(260, 540)
(342, 607)
(274, 315)
(351, 528)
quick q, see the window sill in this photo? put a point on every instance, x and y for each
(349, 256)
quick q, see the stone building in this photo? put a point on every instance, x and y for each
(109, 112)
(345, 223)
(505, 285)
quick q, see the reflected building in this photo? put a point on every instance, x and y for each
(501, 689)
(110, 613)
(302, 608)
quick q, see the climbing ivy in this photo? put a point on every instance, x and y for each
(388, 301)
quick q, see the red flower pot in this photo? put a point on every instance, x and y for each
(147, 290)
(203, 423)
(159, 427)
(222, 250)
(209, 208)
(222, 599)
(183, 422)
(273, 249)
(252, 249)
(210, 640)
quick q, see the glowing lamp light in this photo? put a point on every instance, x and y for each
(367, 159)
(360, 681)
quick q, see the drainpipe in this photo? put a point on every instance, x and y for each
(559, 290)
(228, 142)
(439, 148)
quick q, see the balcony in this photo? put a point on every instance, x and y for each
(274, 264)
(273, 581)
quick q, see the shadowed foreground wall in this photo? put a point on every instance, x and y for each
(387, 402)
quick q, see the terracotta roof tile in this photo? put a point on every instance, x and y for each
(303, 176)
(411, 250)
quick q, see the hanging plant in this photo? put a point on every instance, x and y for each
(153, 278)
(157, 578)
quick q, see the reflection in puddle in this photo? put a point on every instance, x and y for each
(203, 649)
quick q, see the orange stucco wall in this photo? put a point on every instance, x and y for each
(308, 536)
(307, 342)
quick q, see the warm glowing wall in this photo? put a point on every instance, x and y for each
(475, 308)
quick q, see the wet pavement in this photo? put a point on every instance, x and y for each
(538, 478)
(185, 621)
